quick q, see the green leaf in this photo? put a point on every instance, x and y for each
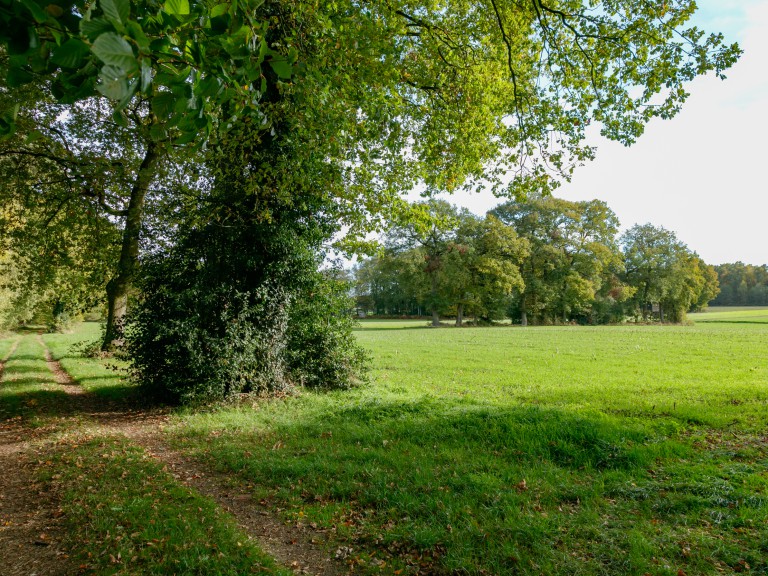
(128, 96)
(18, 77)
(119, 118)
(36, 10)
(219, 10)
(158, 132)
(208, 87)
(113, 83)
(146, 75)
(71, 54)
(117, 11)
(92, 29)
(34, 136)
(136, 32)
(163, 104)
(115, 51)
(282, 68)
(176, 7)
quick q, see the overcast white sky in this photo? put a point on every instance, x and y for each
(703, 173)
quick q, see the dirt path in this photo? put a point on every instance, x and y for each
(30, 527)
(297, 547)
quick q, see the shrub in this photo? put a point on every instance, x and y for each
(241, 309)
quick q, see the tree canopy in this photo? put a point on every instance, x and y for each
(449, 94)
(544, 260)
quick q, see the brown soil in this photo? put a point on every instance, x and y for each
(31, 529)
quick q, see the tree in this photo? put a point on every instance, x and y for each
(665, 273)
(573, 254)
(432, 235)
(402, 90)
(392, 283)
(482, 267)
(742, 284)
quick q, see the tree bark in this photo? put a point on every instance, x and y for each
(433, 304)
(523, 313)
(459, 314)
(120, 284)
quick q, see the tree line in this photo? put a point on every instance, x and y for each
(742, 285)
(543, 260)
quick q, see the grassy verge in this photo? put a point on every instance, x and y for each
(636, 450)
(6, 343)
(128, 516)
(125, 514)
(105, 378)
(28, 390)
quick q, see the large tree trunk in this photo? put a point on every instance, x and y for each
(459, 314)
(119, 285)
(523, 313)
(433, 304)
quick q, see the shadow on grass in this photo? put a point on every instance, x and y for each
(17, 400)
(391, 329)
(469, 482)
(486, 489)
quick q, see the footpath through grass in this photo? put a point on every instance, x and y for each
(28, 390)
(124, 513)
(611, 450)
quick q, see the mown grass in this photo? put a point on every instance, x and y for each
(6, 343)
(732, 315)
(28, 390)
(612, 450)
(103, 377)
(128, 516)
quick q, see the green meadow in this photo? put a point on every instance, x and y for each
(552, 450)
(541, 450)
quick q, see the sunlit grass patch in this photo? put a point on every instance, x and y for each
(28, 388)
(6, 343)
(733, 314)
(105, 377)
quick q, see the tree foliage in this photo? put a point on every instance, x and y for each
(742, 285)
(573, 255)
(238, 309)
(449, 94)
(541, 261)
(666, 273)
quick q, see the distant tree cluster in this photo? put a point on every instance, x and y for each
(543, 260)
(742, 285)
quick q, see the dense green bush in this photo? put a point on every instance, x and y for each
(238, 309)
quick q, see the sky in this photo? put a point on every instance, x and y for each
(703, 173)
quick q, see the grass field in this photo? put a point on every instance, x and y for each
(551, 450)
(563, 450)
(732, 314)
